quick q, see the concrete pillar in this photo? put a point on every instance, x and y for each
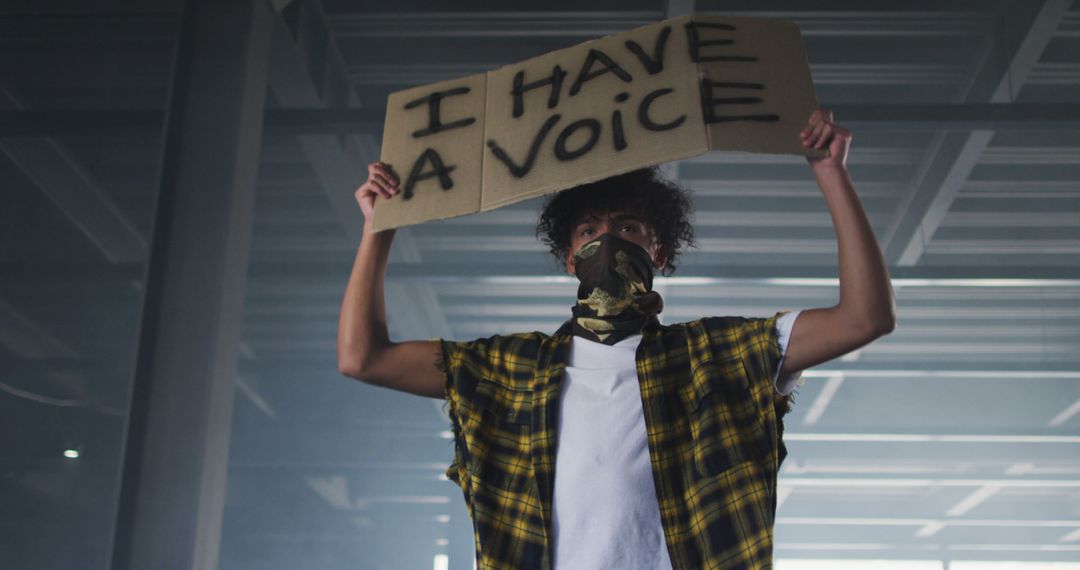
(177, 441)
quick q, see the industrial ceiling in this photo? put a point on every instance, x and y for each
(957, 437)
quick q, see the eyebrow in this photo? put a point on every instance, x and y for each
(621, 217)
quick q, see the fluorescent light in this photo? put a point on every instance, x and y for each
(865, 521)
(333, 489)
(902, 282)
(71, 453)
(442, 562)
(912, 373)
(930, 438)
(984, 565)
(1071, 537)
(973, 500)
(822, 564)
(692, 280)
(905, 482)
(930, 529)
(520, 279)
(824, 397)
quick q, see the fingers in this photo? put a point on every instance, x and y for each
(813, 121)
(821, 130)
(384, 182)
(813, 128)
(378, 188)
(814, 137)
(381, 180)
(825, 137)
(373, 186)
(384, 170)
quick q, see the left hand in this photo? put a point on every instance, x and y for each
(822, 132)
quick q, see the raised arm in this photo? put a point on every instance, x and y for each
(867, 309)
(364, 348)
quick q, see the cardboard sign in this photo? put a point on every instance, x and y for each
(654, 94)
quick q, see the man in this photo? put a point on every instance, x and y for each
(618, 442)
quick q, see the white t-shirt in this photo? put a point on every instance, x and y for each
(605, 511)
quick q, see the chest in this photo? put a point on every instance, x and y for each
(697, 414)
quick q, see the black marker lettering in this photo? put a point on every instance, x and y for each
(520, 87)
(609, 66)
(437, 169)
(433, 101)
(530, 159)
(617, 135)
(643, 112)
(709, 102)
(695, 43)
(653, 64)
(562, 153)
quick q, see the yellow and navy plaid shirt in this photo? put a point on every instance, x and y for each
(713, 422)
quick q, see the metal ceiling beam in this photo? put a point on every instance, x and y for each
(995, 276)
(308, 72)
(24, 338)
(591, 24)
(676, 8)
(75, 192)
(953, 156)
(402, 75)
(78, 8)
(316, 273)
(500, 25)
(158, 24)
(60, 177)
(328, 122)
(961, 117)
(64, 181)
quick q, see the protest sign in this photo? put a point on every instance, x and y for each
(654, 94)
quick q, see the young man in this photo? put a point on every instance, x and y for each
(618, 442)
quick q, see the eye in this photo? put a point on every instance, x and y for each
(631, 227)
(586, 231)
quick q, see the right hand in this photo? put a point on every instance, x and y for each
(381, 182)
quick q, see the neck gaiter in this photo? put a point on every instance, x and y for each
(615, 298)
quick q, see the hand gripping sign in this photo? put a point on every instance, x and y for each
(654, 94)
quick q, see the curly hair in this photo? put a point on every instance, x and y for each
(663, 205)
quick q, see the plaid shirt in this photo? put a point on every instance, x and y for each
(714, 425)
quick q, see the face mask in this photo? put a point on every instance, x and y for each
(615, 298)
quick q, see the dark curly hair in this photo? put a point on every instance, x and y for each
(662, 204)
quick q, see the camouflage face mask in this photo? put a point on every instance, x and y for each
(615, 298)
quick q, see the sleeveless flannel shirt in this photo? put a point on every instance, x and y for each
(714, 426)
